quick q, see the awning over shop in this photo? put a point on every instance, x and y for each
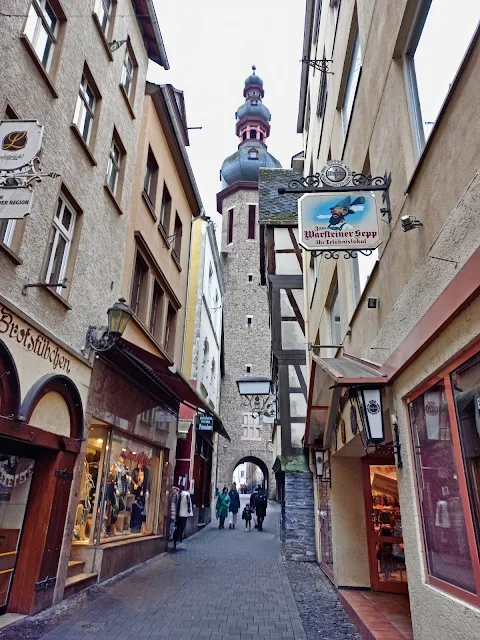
(327, 378)
(171, 380)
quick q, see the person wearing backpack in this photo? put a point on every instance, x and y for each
(260, 507)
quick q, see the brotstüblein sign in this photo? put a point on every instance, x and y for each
(338, 221)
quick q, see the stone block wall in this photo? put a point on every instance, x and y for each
(298, 518)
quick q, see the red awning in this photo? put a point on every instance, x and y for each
(172, 380)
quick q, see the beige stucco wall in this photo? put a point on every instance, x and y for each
(435, 613)
(96, 280)
(350, 553)
(142, 221)
(51, 414)
(414, 267)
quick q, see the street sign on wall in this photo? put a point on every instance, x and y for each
(204, 423)
(20, 143)
(338, 221)
(15, 203)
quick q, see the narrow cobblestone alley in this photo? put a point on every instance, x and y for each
(219, 584)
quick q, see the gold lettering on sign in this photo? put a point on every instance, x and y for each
(33, 341)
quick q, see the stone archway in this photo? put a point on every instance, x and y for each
(257, 461)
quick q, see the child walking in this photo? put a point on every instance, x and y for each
(247, 516)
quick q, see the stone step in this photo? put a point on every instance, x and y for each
(75, 567)
(78, 583)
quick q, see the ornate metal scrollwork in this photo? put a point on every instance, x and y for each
(24, 176)
(305, 182)
(347, 253)
(320, 65)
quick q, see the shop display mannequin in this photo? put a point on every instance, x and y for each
(84, 505)
(140, 478)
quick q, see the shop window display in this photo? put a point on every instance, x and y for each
(446, 543)
(119, 488)
(387, 525)
(466, 392)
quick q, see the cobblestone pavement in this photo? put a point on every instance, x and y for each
(323, 617)
(219, 584)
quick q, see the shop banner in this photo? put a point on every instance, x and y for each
(338, 221)
(21, 141)
(15, 204)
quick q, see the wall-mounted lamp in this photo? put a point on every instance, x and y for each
(322, 465)
(373, 303)
(115, 44)
(103, 338)
(258, 393)
(410, 222)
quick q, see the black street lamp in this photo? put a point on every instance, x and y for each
(103, 338)
(258, 393)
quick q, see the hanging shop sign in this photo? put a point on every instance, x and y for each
(338, 221)
(15, 203)
(204, 423)
(20, 143)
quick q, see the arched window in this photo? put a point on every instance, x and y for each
(261, 135)
(253, 134)
(252, 154)
(244, 135)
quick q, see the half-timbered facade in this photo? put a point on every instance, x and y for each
(281, 270)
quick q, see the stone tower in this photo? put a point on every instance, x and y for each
(247, 340)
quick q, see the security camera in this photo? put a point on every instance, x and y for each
(410, 222)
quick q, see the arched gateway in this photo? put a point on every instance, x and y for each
(257, 461)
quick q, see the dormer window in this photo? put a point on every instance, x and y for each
(252, 154)
(253, 134)
(254, 103)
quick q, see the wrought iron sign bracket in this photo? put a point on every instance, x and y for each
(44, 285)
(394, 449)
(319, 65)
(359, 182)
(24, 177)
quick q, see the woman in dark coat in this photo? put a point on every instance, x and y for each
(234, 506)
(260, 507)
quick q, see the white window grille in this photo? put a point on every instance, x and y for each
(41, 29)
(61, 243)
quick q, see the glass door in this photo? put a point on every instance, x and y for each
(15, 479)
(384, 529)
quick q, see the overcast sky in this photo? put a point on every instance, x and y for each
(211, 46)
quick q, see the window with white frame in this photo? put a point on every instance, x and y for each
(60, 243)
(205, 360)
(352, 83)
(7, 227)
(41, 29)
(439, 41)
(335, 320)
(103, 9)
(128, 73)
(362, 270)
(85, 109)
(251, 427)
(113, 166)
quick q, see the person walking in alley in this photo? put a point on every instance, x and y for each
(234, 506)
(253, 499)
(260, 507)
(247, 516)
(184, 511)
(173, 518)
(223, 504)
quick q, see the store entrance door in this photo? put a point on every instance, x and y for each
(384, 526)
(15, 480)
